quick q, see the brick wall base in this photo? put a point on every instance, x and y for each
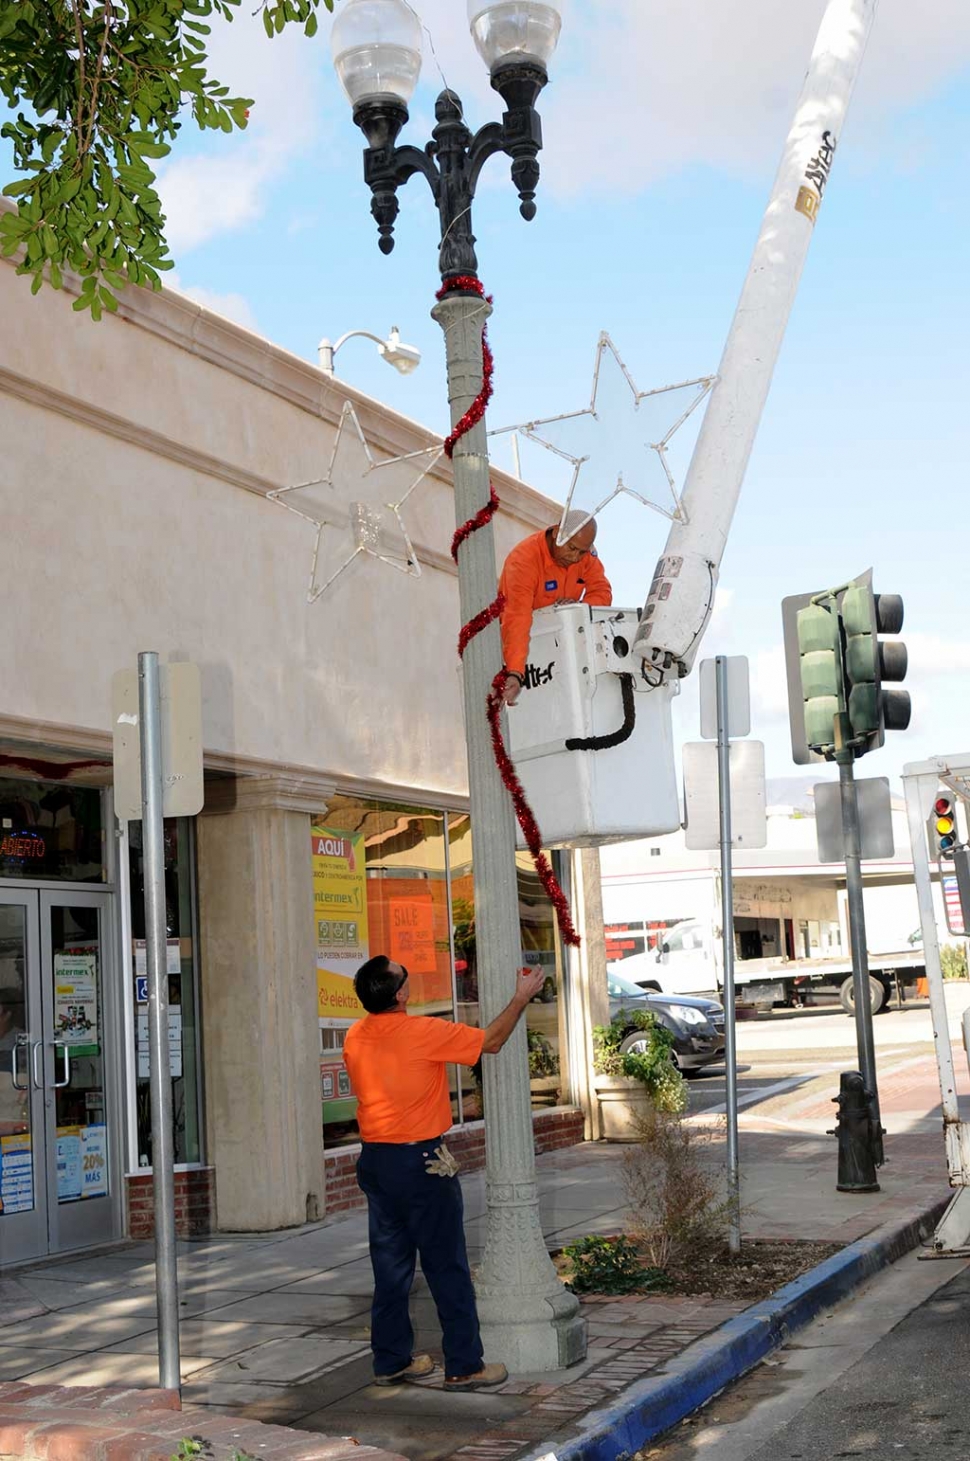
(195, 1194)
(553, 1129)
(195, 1203)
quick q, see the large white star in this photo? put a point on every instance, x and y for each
(616, 450)
(356, 506)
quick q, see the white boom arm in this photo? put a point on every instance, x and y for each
(682, 592)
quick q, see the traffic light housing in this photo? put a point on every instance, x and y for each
(820, 673)
(870, 662)
(943, 827)
(838, 668)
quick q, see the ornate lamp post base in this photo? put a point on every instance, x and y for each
(529, 1321)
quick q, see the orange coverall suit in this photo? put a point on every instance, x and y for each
(531, 579)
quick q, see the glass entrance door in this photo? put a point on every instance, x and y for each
(23, 1156)
(60, 1172)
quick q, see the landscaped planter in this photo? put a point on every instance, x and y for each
(624, 1105)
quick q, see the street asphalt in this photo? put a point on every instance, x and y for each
(883, 1376)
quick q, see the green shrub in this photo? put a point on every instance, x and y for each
(543, 1061)
(953, 961)
(609, 1266)
(653, 1067)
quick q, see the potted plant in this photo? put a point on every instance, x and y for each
(543, 1070)
(633, 1085)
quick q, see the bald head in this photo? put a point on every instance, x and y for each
(572, 539)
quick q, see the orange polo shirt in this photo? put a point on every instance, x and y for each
(532, 579)
(397, 1065)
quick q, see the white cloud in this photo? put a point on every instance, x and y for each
(644, 88)
(228, 185)
(641, 90)
(232, 306)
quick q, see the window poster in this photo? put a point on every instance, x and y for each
(16, 1174)
(69, 1174)
(340, 920)
(76, 1002)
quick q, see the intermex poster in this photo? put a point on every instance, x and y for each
(340, 920)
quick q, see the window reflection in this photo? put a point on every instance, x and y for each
(409, 857)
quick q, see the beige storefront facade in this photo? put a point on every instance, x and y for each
(138, 456)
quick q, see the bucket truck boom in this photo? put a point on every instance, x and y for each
(681, 595)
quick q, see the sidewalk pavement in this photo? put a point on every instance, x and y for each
(275, 1326)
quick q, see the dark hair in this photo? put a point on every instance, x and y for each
(375, 986)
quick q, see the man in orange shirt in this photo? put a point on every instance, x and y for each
(539, 572)
(398, 1070)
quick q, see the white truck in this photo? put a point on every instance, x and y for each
(672, 943)
(685, 960)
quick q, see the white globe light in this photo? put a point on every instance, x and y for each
(376, 46)
(515, 30)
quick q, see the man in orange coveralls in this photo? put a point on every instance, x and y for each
(540, 572)
(398, 1067)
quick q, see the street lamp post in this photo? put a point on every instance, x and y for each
(528, 1319)
(393, 350)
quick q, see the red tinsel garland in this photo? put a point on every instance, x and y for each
(467, 284)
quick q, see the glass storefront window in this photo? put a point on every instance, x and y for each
(51, 831)
(380, 886)
(397, 880)
(539, 945)
(182, 989)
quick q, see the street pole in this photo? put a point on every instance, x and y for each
(727, 936)
(163, 1174)
(529, 1320)
(852, 844)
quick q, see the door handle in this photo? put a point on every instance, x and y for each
(21, 1043)
(59, 1085)
(38, 1074)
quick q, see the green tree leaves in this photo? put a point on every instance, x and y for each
(105, 86)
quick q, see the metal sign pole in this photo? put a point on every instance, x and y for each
(857, 936)
(727, 935)
(163, 1174)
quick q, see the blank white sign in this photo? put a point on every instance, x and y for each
(749, 821)
(738, 697)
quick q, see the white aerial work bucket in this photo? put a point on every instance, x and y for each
(582, 684)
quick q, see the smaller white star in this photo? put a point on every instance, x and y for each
(374, 493)
(612, 442)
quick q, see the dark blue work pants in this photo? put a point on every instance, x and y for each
(412, 1213)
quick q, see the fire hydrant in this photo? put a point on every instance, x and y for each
(856, 1131)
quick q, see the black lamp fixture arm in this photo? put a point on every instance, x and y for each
(452, 162)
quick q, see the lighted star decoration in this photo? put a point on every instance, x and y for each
(356, 506)
(617, 445)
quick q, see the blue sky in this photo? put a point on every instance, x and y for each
(663, 127)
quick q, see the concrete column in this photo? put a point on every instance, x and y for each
(259, 1002)
(529, 1320)
(585, 1001)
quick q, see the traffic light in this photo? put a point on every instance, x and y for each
(838, 669)
(943, 827)
(869, 662)
(820, 673)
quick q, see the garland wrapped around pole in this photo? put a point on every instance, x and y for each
(468, 284)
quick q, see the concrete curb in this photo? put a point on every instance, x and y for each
(652, 1406)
